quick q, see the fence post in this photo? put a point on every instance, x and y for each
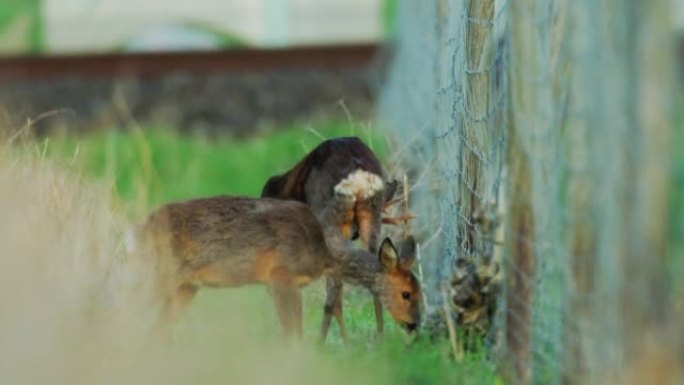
(520, 265)
(645, 294)
(476, 138)
(520, 237)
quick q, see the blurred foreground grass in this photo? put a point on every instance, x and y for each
(155, 166)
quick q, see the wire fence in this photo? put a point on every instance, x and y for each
(535, 135)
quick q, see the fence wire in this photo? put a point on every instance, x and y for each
(533, 149)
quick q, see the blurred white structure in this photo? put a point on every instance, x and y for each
(105, 25)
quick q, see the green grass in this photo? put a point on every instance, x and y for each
(155, 166)
(10, 10)
(676, 219)
(389, 17)
(161, 166)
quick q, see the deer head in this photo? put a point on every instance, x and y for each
(397, 286)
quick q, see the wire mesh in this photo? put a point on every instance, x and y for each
(524, 133)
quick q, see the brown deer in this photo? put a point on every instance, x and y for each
(342, 181)
(234, 241)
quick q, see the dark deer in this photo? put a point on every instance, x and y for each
(233, 241)
(343, 182)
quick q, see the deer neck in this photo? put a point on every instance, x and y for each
(354, 265)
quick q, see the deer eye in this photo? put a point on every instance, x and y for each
(405, 295)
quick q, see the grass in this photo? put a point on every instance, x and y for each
(676, 219)
(389, 17)
(10, 10)
(171, 167)
(160, 166)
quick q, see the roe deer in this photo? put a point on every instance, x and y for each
(233, 241)
(345, 170)
(342, 181)
(388, 277)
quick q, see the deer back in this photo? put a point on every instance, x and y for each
(231, 241)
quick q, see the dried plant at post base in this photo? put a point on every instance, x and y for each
(475, 285)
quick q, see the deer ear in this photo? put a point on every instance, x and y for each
(408, 253)
(390, 189)
(388, 255)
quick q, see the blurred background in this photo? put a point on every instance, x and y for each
(543, 137)
(229, 66)
(237, 67)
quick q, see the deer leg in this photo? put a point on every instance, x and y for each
(174, 306)
(288, 301)
(379, 318)
(296, 311)
(369, 229)
(327, 308)
(337, 312)
(368, 224)
(284, 299)
(333, 307)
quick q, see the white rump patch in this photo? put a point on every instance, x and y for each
(360, 184)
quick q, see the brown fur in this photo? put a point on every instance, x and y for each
(386, 275)
(234, 241)
(312, 181)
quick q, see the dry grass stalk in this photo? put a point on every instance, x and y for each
(456, 347)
